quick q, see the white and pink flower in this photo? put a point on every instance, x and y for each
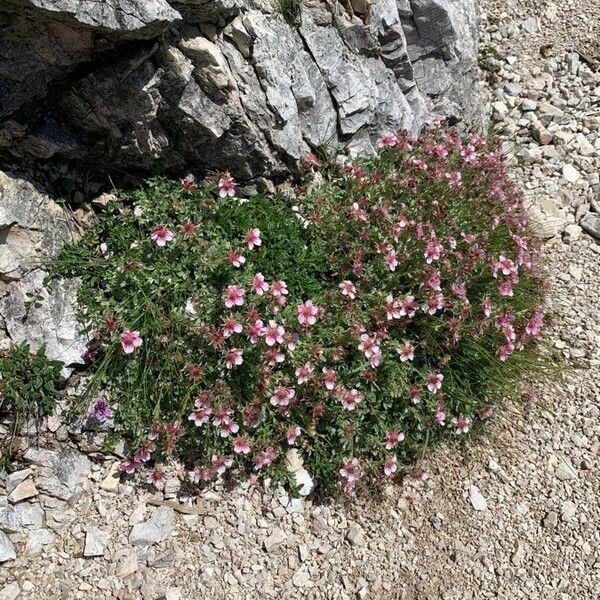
(434, 382)
(406, 352)
(235, 259)
(273, 333)
(226, 186)
(231, 326)
(350, 399)
(161, 234)
(393, 438)
(390, 259)
(348, 289)
(130, 340)
(259, 284)
(307, 313)
(390, 466)
(462, 424)
(234, 357)
(253, 238)
(303, 372)
(292, 434)
(330, 378)
(282, 396)
(234, 296)
(241, 445)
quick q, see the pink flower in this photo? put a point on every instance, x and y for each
(390, 466)
(129, 466)
(234, 296)
(279, 289)
(434, 382)
(303, 372)
(392, 308)
(393, 438)
(130, 340)
(231, 326)
(440, 151)
(348, 289)
(259, 285)
(157, 478)
(255, 330)
(241, 445)
(291, 339)
(307, 313)
(368, 345)
(415, 393)
(222, 416)
(310, 160)
(220, 463)
(274, 356)
(282, 396)
(462, 424)
(226, 186)
(292, 434)
(455, 179)
(274, 333)
(265, 458)
(330, 378)
(200, 416)
(505, 266)
(486, 304)
(440, 416)
(505, 288)
(434, 282)
(434, 304)
(234, 358)
(358, 213)
(406, 352)
(350, 399)
(391, 260)
(408, 307)
(188, 183)
(144, 452)
(505, 351)
(469, 153)
(203, 474)
(155, 431)
(253, 238)
(433, 251)
(161, 235)
(228, 428)
(350, 472)
(235, 258)
(534, 325)
(387, 141)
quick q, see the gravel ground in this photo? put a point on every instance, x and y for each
(513, 515)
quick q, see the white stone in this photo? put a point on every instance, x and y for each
(96, 541)
(570, 173)
(477, 499)
(7, 550)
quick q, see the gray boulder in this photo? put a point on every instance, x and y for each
(150, 85)
(33, 229)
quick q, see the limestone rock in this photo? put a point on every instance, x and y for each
(7, 550)
(232, 87)
(33, 229)
(155, 530)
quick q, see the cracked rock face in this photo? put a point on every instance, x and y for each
(151, 85)
(33, 229)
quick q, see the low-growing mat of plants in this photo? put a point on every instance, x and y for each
(397, 300)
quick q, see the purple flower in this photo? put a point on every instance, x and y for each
(101, 410)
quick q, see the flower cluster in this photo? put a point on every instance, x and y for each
(399, 302)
